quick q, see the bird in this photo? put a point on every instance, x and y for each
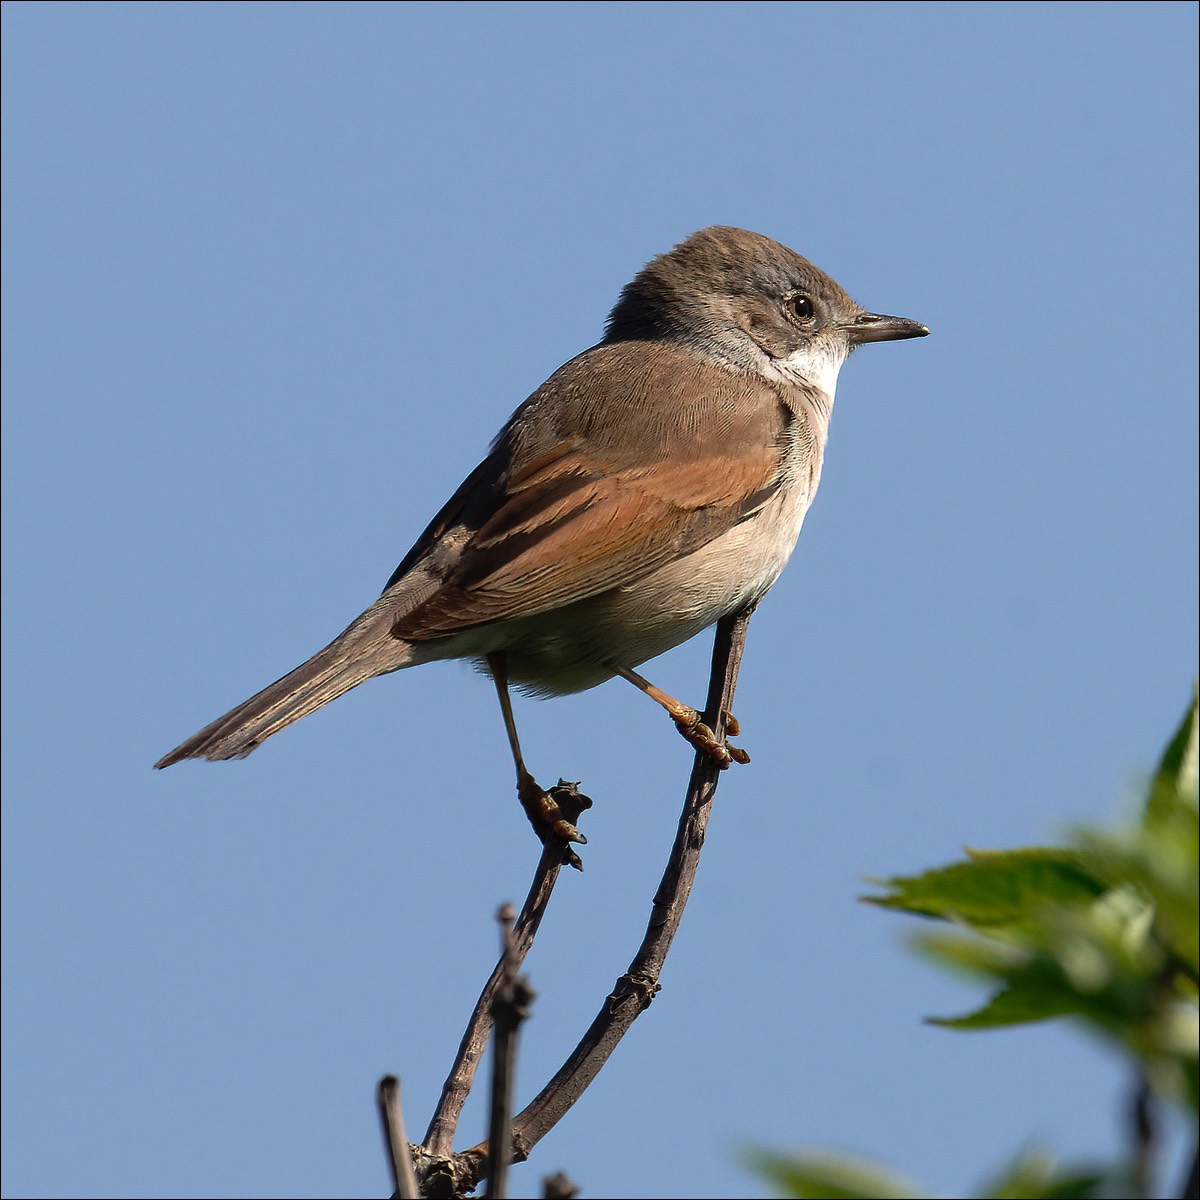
(654, 484)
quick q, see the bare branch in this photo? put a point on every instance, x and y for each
(404, 1178)
(509, 1008)
(439, 1138)
(636, 988)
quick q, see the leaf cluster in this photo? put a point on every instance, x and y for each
(1101, 930)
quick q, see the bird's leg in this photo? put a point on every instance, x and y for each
(545, 813)
(687, 721)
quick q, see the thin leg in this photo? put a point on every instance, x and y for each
(687, 721)
(540, 807)
(499, 672)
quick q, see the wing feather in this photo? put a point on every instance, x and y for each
(601, 499)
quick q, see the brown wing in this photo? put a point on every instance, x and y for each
(629, 457)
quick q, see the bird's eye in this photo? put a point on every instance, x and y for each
(801, 307)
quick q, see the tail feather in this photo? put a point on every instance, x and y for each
(366, 649)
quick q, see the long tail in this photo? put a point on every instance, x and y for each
(366, 649)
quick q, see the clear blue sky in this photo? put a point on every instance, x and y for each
(274, 275)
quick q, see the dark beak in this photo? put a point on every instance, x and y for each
(871, 327)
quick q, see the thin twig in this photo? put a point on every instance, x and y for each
(404, 1178)
(636, 988)
(1141, 1120)
(509, 1008)
(439, 1138)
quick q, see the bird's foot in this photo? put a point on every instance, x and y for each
(688, 722)
(553, 814)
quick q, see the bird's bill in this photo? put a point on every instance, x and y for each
(874, 327)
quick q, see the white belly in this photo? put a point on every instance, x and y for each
(568, 649)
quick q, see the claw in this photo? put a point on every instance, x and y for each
(687, 720)
(720, 751)
(553, 813)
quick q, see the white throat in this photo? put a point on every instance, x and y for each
(816, 366)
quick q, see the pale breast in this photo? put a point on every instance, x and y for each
(734, 570)
(567, 649)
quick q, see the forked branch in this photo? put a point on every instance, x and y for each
(636, 988)
(439, 1138)
(442, 1173)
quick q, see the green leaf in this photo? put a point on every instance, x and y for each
(1097, 962)
(1104, 931)
(1015, 1006)
(971, 954)
(994, 887)
(1034, 1175)
(1174, 782)
(831, 1177)
(1160, 862)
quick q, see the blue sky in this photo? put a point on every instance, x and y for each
(274, 275)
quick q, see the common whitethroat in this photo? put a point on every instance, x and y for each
(651, 486)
